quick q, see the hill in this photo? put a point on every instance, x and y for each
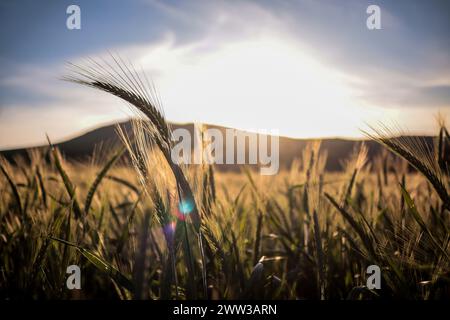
(82, 146)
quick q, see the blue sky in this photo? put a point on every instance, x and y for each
(305, 68)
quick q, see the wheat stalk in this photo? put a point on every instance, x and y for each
(123, 81)
(417, 153)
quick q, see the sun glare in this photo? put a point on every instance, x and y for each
(267, 83)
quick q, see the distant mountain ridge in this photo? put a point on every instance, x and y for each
(337, 149)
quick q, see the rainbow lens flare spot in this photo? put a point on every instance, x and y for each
(186, 207)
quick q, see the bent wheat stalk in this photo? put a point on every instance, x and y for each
(418, 154)
(123, 81)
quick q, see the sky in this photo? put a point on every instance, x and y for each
(306, 68)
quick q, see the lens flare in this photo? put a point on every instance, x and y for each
(169, 231)
(186, 207)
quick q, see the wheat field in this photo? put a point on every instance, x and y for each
(142, 227)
